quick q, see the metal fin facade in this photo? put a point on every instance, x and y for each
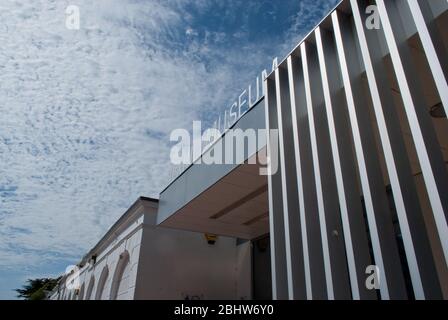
(361, 107)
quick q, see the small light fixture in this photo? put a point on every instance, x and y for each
(211, 238)
(437, 111)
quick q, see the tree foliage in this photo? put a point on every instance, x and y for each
(35, 289)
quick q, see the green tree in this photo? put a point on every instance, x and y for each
(35, 289)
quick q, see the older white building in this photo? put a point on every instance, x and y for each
(136, 259)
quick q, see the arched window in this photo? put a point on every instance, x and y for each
(120, 280)
(101, 282)
(81, 292)
(90, 288)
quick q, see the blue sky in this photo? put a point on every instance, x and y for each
(85, 115)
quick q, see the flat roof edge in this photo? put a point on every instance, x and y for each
(128, 213)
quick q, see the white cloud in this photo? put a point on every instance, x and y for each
(191, 32)
(83, 116)
(308, 16)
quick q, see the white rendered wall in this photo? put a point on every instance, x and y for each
(178, 264)
(165, 264)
